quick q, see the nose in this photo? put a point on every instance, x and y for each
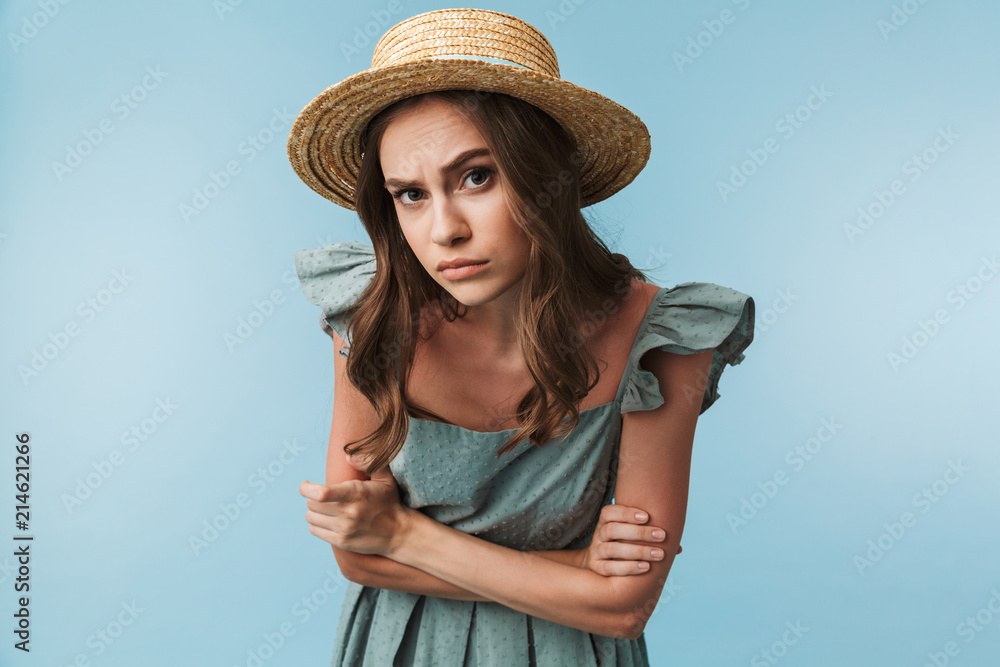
(449, 224)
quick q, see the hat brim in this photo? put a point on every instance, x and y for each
(324, 142)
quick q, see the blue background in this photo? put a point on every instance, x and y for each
(831, 307)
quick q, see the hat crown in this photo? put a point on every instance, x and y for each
(478, 33)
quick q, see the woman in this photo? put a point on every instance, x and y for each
(500, 374)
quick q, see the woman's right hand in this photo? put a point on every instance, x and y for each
(608, 557)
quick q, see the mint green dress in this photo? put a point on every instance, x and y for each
(533, 498)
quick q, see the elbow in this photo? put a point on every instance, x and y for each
(634, 627)
(628, 625)
(635, 606)
(349, 567)
(624, 625)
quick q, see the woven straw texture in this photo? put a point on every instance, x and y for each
(442, 50)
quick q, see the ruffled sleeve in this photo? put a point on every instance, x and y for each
(689, 318)
(333, 277)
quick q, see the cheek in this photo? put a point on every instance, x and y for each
(426, 262)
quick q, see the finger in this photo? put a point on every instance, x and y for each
(343, 492)
(629, 552)
(328, 536)
(321, 520)
(312, 491)
(623, 513)
(619, 568)
(636, 533)
(328, 508)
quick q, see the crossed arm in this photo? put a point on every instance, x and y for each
(383, 572)
(435, 559)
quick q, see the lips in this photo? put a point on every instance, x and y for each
(457, 262)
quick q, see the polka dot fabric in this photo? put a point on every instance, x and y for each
(530, 499)
(688, 318)
(333, 276)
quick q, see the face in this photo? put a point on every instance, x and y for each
(449, 200)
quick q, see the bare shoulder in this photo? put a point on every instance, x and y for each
(631, 309)
(646, 290)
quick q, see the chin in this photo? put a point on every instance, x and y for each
(467, 297)
(471, 295)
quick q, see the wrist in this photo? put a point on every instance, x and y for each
(406, 521)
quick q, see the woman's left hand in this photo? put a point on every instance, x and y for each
(364, 516)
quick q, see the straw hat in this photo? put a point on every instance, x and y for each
(430, 52)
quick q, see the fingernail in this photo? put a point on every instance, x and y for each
(643, 565)
(657, 553)
(641, 516)
(658, 534)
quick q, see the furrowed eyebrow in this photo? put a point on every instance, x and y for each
(452, 166)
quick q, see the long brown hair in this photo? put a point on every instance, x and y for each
(571, 274)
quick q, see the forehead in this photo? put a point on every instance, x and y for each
(429, 133)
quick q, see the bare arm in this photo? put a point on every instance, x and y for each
(654, 469)
(353, 417)
(382, 572)
(524, 581)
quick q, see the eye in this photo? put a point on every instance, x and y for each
(483, 172)
(486, 172)
(398, 196)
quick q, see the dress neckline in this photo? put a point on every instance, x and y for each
(603, 406)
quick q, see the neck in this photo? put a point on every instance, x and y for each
(491, 326)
